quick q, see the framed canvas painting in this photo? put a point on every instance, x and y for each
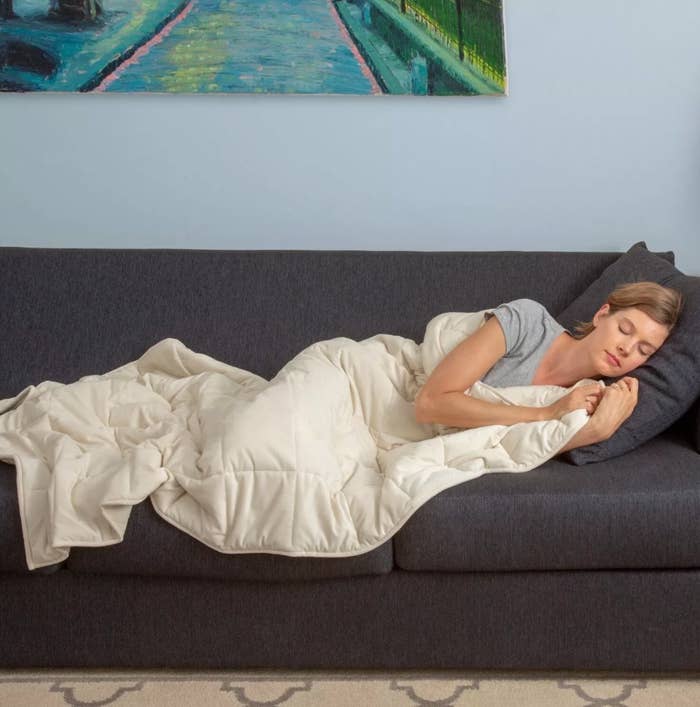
(418, 47)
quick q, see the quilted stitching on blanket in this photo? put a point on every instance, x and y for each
(324, 460)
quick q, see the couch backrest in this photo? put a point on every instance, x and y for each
(67, 313)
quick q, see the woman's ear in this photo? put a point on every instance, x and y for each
(602, 312)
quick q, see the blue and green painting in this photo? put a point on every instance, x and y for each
(419, 47)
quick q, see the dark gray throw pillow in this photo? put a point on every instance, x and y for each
(669, 382)
(691, 425)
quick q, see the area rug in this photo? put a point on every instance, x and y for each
(258, 688)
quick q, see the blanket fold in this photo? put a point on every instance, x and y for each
(324, 460)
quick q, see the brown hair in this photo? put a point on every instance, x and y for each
(662, 304)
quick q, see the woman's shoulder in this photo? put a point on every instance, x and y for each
(525, 322)
(527, 304)
(524, 309)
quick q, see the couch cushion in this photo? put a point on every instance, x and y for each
(154, 547)
(669, 382)
(11, 543)
(636, 511)
(84, 311)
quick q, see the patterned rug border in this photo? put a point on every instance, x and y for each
(99, 687)
(253, 675)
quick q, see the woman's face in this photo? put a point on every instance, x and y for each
(624, 340)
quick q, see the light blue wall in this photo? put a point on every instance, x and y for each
(596, 147)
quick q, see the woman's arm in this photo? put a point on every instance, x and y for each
(616, 405)
(590, 433)
(442, 399)
(459, 410)
(456, 409)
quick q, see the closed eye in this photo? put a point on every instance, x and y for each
(627, 333)
(630, 329)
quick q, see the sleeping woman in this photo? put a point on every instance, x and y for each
(520, 343)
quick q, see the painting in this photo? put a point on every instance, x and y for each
(414, 47)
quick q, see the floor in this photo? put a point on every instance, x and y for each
(340, 688)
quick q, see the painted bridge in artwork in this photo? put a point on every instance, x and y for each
(441, 47)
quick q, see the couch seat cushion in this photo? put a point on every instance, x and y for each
(154, 547)
(638, 510)
(11, 542)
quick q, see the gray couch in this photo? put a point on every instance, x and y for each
(564, 567)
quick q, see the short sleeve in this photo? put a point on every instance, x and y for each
(516, 318)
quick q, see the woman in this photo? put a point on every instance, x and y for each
(520, 343)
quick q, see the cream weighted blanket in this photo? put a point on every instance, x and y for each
(324, 460)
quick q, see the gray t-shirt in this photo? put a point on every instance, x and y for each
(529, 330)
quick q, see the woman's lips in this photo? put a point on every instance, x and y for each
(612, 359)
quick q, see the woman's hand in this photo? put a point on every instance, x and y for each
(613, 408)
(584, 397)
(616, 405)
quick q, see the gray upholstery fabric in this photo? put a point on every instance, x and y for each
(637, 511)
(11, 543)
(623, 620)
(70, 312)
(669, 382)
(153, 547)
